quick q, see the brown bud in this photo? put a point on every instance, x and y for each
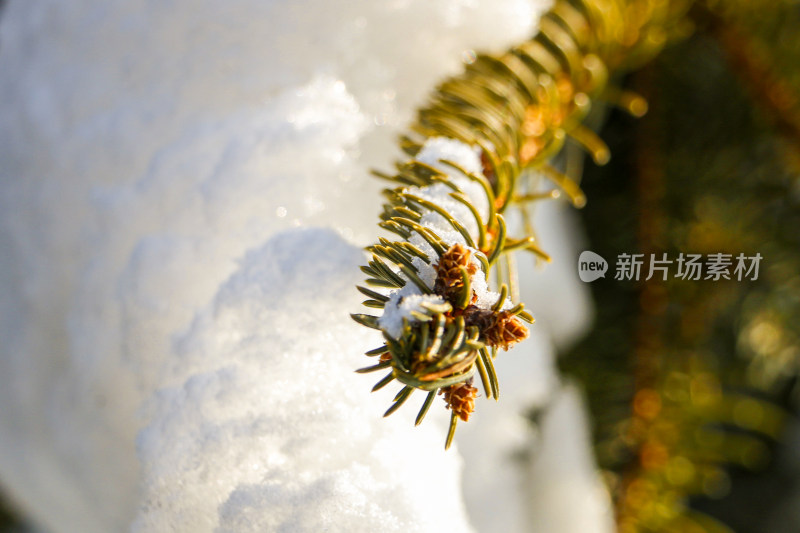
(461, 399)
(505, 331)
(449, 283)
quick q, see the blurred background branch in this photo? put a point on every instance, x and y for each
(692, 384)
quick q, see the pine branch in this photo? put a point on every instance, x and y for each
(481, 146)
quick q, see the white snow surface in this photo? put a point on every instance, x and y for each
(400, 306)
(174, 356)
(437, 149)
(265, 432)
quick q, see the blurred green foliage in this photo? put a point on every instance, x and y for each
(692, 384)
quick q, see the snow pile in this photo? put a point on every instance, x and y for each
(438, 149)
(242, 444)
(402, 305)
(147, 147)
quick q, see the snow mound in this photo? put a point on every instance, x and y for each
(241, 444)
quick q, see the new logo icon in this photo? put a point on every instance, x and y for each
(591, 266)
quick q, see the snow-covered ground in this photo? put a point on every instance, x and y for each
(184, 190)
